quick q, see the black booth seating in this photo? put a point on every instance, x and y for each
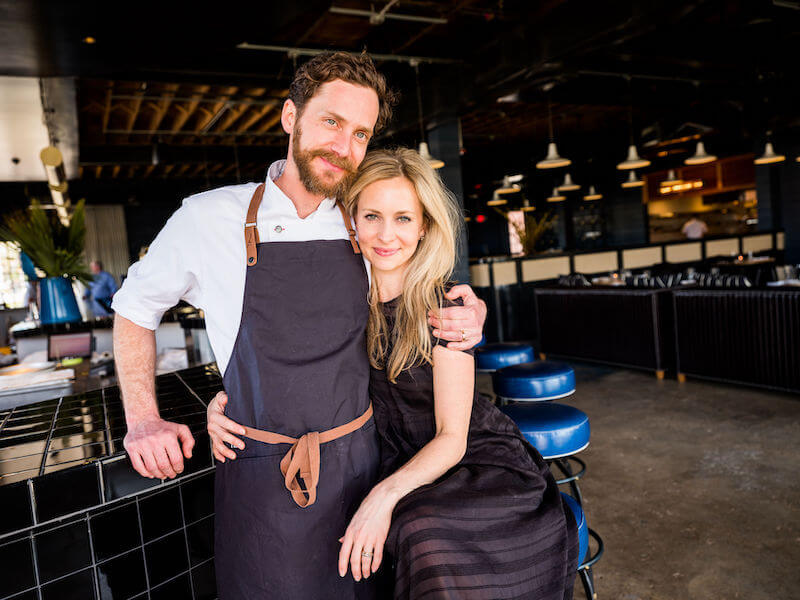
(741, 336)
(627, 327)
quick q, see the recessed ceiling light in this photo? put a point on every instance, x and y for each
(89, 40)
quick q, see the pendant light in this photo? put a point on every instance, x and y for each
(769, 157)
(634, 161)
(497, 200)
(552, 160)
(526, 206)
(424, 151)
(592, 195)
(671, 179)
(633, 181)
(700, 157)
(510, 184)
(556, 197)
(568, 185)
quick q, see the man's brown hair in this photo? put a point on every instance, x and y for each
(356, 69)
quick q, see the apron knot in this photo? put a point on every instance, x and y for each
(302, 460)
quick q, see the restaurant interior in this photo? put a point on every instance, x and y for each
(629, 177)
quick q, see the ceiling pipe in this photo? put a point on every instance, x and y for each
(377, 18)
(293, 51)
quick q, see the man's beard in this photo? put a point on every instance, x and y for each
(321, 186)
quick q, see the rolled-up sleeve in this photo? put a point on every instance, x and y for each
(168, 273)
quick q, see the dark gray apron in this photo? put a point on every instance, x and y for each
(299, 365)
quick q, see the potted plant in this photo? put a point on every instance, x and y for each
(56, 249)
(532, 230)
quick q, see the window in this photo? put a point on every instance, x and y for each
(13, 283)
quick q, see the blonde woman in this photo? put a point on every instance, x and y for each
(465, 507)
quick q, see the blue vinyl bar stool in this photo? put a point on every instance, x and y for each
(491, 357)
(584, 564)
(538, 381)
(558, 432)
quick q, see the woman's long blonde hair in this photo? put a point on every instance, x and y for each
(428, 270)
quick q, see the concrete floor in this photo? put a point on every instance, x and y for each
(694, 487)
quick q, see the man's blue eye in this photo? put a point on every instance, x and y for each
(331, 121)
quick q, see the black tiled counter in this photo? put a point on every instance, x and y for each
(76, 521)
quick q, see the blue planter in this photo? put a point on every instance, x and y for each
(58, 301)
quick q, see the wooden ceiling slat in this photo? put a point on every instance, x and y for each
(167, 170)
(235, 112)
(107, 113)
(115, 171)
(209, 114)
(131, 171)
(161, 107)
(133, 110)
(181, 171)
(269, 123)
(196, 171)
(148, 171)
(98, 170)
(185, 111)
(257, 115)
(227, 170)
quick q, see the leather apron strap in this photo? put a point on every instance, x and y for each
(252, 240)
(350, 231)
(303, 458)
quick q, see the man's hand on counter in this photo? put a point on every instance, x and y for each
(157, 447)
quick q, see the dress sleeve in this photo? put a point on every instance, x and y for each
(445, 304)
(167, 273)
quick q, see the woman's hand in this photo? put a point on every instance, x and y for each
(367, 532)
(221, 429)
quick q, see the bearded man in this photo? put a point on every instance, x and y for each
(277, 270)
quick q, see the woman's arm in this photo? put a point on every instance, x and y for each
(453, 390)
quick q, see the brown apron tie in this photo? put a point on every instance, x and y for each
(302, 459)
(251, 238)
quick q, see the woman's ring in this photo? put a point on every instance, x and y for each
(463, 335)
(366, 554)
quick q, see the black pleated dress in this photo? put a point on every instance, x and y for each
(494, 526)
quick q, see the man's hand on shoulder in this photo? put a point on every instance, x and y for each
(157, 447)
(461, 325)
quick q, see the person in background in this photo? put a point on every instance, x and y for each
(694, 229)
(101, 289)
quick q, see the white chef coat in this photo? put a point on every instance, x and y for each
(200, 256)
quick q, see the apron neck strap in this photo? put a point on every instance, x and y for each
(350, 231)
(251, 238)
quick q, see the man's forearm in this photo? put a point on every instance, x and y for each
(135, 358)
